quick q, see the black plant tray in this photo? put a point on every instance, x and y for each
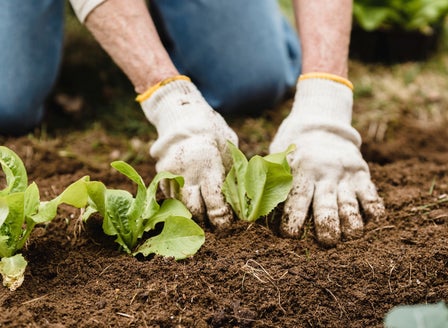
(392, 46)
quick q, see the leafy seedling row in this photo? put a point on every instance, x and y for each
(253, 188)
(124, 216)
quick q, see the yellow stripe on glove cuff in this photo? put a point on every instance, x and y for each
(148, 93)
(327, 76)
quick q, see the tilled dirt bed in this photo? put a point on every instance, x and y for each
(248, 277)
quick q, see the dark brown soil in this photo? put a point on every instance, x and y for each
(249, 277)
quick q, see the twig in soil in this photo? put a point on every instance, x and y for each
(343, 312)
(255, 272)
(382, 228)
(433, 185)
(34, 299)
(249, 226)
(371, 267)
(133, 297)
(125, 315)
(258, 272)
(441, 199)
(333, 282)
(104, 270)
(295, 254)
(438, 217)
(390, 274)
(144, 319)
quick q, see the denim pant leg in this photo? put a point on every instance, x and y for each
(242, 54)
(31, 40)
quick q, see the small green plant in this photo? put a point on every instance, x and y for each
(418, 316)
(20, 210)
(407, 15)
(254, 188)
(128, 218)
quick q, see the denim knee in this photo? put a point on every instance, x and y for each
(258, 87)
(242, 55)
(20, 113)
(31, 38)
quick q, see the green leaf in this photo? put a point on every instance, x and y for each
(280, 158)
(152, 206)
(418, 316)
(4, 210)
(232, 193)
(234, 188)
(254, 188)
(97, 197)
(12, 270)
(170, 207)
(267, 185)
(32, 199)
(12, 228)
(127, 170)
(15, 172)
(134, 216)
(115, 222)
(180, 238)
(75, 195)
(88, 212)
(5, 249)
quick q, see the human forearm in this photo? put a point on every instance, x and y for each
(127, 32)
(324, 28)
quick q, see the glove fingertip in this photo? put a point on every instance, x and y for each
(291, 225)
(329, 238)
(374, 210)
(353, 232)
(352, 224)
(220, 218)
(371, 203)
(191, 197)
(328, 231)
(296, 208)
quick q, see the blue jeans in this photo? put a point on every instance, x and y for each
(31, 41)
(242, 55)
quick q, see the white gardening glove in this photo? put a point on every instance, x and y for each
(192, 142)
(329, 172)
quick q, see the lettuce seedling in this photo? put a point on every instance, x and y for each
(20, 210)
(128, 218)
(254, 188)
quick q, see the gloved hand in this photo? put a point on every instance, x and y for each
(192, 142)
(329, 172)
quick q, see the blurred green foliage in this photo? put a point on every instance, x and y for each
(407, 15)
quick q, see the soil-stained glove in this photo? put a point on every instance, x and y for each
(330, 174)
(192, 142)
